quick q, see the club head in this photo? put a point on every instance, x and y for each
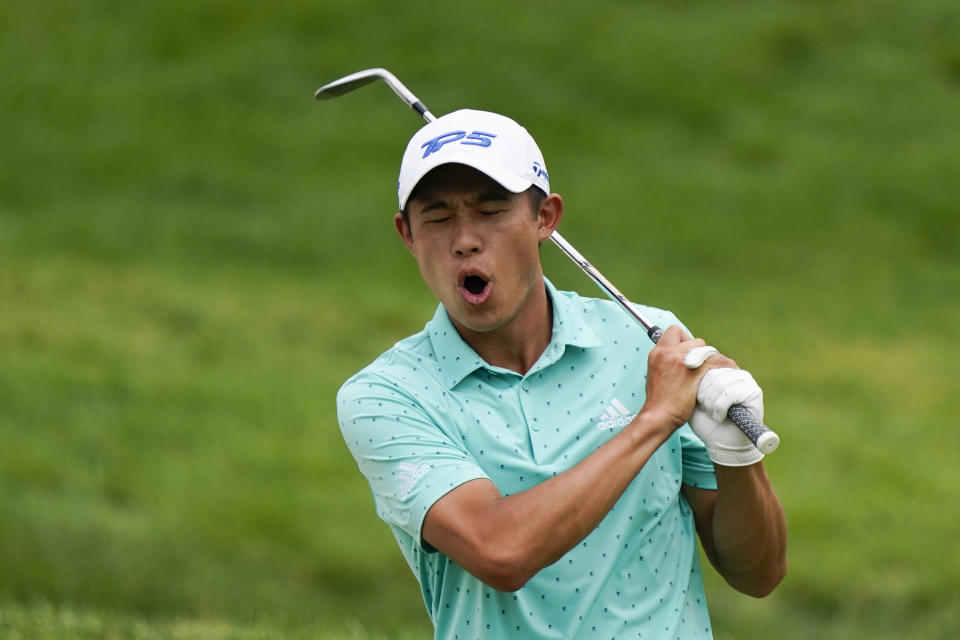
(356, 80)
(353, 81)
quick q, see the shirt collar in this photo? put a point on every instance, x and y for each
(457, 359)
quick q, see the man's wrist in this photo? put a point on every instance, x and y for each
(652, 426)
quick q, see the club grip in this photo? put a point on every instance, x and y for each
(762, 437)
(759, 434)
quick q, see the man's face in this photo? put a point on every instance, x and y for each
(477, 246)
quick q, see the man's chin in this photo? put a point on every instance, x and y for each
(474, 319)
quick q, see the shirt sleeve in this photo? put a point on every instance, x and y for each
(698, 469)
(408, 456)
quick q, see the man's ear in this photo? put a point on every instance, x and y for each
(403, 230)
(548, 218)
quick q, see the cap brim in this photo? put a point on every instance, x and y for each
(506, 179)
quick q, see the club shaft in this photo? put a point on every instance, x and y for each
(758, 433)
(612, 292)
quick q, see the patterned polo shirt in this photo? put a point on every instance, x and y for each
(429, 415)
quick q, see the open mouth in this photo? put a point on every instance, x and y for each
(474, 284)
(475, 289)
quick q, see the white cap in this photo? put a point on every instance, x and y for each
(488, 142)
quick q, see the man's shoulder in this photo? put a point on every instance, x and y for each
(406, 361)
(605, 313)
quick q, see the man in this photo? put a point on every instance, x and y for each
(529, 448)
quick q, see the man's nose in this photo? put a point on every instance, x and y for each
(466, 240)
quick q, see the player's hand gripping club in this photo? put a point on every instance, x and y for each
(721, 386)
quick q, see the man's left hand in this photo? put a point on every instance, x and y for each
(719, 390)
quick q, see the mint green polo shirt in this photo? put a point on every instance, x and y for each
(429, 415)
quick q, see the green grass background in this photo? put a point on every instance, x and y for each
(194, 254)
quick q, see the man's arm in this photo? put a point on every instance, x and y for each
(504, 541)
(742, 528)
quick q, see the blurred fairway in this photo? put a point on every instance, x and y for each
(194, 254)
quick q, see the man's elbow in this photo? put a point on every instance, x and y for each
(507, 582)
(761, 585)
(504, 571)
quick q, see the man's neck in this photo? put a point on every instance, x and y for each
(517, 345)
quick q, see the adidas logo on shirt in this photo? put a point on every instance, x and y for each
(615, 416)
(408, 476)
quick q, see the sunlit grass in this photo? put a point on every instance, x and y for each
(194, 254)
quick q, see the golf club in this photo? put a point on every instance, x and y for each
(762, 437)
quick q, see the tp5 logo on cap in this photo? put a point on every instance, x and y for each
(477, 139)
(539, 171)
(510, 156)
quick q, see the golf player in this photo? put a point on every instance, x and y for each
(545, 469)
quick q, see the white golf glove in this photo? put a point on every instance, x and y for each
(719, 390)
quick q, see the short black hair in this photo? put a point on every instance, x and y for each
(536, 196)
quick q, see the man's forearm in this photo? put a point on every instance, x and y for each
(572, 504)
(525, 532)
(749, 530)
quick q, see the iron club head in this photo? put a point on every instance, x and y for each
(346, 84)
